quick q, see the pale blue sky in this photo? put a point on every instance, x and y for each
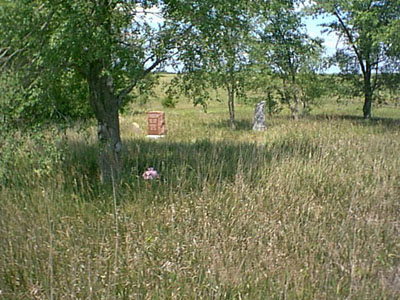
(315, 29)
(313, 26)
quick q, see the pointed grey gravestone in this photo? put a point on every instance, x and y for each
(259, 117)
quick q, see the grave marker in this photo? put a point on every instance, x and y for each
(156, 124)
(259, 117)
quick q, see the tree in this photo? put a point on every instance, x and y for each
(108, 45)
(218, 53)
(361, 25)
(283, 49)
(228, 62)
(391, 37)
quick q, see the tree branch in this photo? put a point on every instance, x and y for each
(11, 56)
(351, 40)
(122, 95)
(375, 84)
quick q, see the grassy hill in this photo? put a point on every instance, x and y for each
(304, 210)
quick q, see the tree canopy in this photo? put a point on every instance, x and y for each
(220, 56)
(284, 48)
(364, 27)
(106, 47)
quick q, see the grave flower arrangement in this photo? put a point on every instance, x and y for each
(150, 174)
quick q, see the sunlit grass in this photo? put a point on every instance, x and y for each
(304, 210)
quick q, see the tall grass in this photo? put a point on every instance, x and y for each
(305, 210)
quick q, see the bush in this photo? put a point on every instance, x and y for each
(168, 102)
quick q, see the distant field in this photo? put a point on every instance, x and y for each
(388, 105)
(304, 210)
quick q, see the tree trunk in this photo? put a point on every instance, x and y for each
(291, 91)
(295, 109)
(105, 106)
(295, 95)
(367, 108)
(231, 104)
(368, 93)
(231, 89)
(110, 148)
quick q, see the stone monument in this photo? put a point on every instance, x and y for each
(156, 124)
(259, 117)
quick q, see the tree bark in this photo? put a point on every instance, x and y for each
(105, 106)
(295, 110)
(110, 148)
(367, 107)
(368, 94)
(231, 104)
(231, 89)
(290, 93)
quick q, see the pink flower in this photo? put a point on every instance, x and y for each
(150, 174)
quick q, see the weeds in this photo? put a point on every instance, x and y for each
(306, 210)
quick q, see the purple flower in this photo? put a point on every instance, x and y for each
(150, 174)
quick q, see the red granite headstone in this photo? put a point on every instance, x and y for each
(156, 123)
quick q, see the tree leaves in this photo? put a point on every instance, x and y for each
(364, 27)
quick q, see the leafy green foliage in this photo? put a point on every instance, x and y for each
(61, 48)
(168, 102)
(106, 48)
(47, 89)
(366, 29)
(194, 85)
(63, 101)
(283, 49)
(38, 149)
(389, 91)
(217, 52)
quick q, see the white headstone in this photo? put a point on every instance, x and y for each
(259, 117)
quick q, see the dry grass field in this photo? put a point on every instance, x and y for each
(305, 210)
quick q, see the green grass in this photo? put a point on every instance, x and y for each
(305, 210)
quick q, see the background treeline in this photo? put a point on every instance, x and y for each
(235, 46)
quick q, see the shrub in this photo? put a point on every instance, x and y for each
(168, 102)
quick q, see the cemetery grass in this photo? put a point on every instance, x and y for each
(306, 210)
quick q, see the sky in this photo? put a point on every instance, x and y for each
(313, 26)
(315, 29)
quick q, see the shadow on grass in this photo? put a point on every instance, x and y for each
(381, 124)
(188, 166)
(275, 120)
(388, 123)
(241, 124)
(183, 166)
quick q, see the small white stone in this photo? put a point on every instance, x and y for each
(155, 136)
(118, 147)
